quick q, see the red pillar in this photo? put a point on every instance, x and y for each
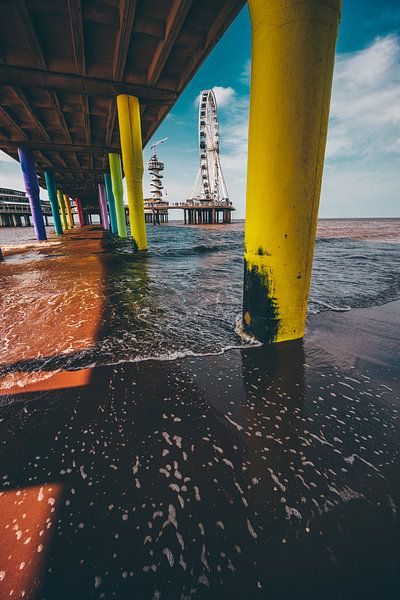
(80, 212)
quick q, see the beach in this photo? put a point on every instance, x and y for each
(184, 461)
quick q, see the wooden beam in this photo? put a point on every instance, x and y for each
(6, 115)
(76, 84)
(86, 120)
(78, 41)
(57, 106)
(176, 18)
(40, 145)
(33, 41)
(110, 123)
(42, 158)
(24, 100)
(68, 170)
(61, 160)
(127, 9)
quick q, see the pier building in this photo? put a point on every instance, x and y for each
(15, 210)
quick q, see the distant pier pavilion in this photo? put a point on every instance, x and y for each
(15, 210)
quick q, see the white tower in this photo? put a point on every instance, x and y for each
(155, 167)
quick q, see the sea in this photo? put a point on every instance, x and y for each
(183, 296)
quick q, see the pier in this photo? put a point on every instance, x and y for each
(137, 461)
(203, 213)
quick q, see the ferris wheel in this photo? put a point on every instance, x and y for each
(210, 176)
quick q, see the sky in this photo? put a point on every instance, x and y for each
(362, 167)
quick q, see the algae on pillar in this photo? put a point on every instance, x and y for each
(118, 192)
(52, 192)
(293, 49)
(32, 191)
(132, 158)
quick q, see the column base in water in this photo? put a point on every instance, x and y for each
(293, 48)
(52, 192)
(32, 191)
(132, 158)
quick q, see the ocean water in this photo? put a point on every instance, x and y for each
(181, 297)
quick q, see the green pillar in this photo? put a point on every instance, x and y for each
(52, 192)
(111, 203)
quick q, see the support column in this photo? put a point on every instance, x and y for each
(132, 158)
(293, 49)
(62, 209)
(52, 192)
(67, 204)
(32, 191)
(81, 216)
(103, 207)
(118, 192)
(111, 203)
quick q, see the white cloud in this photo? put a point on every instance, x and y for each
(223, 95)
(365, 109)
(246, 73)
(361, 176)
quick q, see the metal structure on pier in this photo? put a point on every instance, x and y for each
(155, 167)
(210, 177)
(155, 208)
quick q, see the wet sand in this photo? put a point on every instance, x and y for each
(270, 472)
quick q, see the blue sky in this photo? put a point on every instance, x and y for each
(362, 167)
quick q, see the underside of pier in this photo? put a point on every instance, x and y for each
(62, 63)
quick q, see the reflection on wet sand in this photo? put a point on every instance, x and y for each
(233, 476)
(26, 517)
(51, 307)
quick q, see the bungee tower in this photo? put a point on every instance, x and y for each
(155, 167)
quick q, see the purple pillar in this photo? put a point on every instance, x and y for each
(103, 206)
(32, 190)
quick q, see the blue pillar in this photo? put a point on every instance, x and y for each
(111, 203)
(32, 190)
(52, 192)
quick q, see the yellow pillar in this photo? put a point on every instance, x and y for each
(132, 158)
(62, 209)
(69, 212)
(293, 48)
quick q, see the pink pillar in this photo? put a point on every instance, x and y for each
(103, 206)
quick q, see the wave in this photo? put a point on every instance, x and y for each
(198, 249)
